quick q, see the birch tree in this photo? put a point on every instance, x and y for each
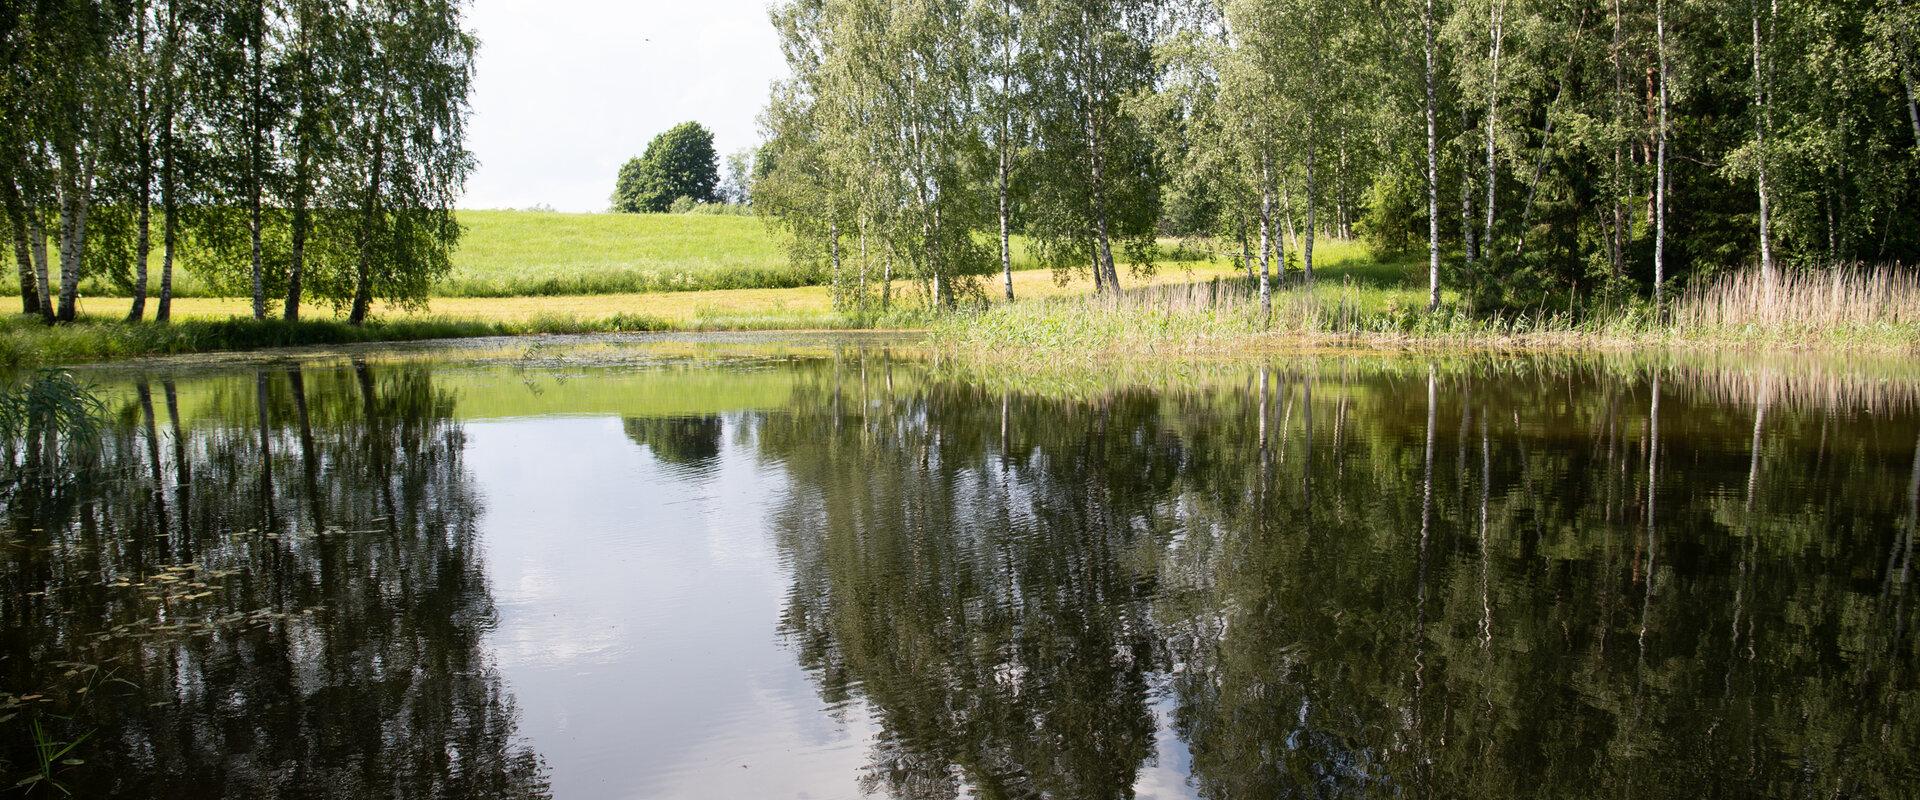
(1096, 181)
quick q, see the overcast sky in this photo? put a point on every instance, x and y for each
(568, 90)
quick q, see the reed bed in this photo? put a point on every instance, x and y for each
(1796, 302)
(1838, 309)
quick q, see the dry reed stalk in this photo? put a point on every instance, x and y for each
(1824, 299)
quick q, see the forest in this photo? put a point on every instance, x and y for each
(296, 148)
(1538, 153)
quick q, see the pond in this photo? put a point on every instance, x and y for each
(666, 567)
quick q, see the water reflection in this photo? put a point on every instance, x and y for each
(1469, 586)
(688, 444)
(286, 600)
(847, 573)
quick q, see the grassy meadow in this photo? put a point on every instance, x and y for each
(548, 253)
(540, 253)
(521, 253)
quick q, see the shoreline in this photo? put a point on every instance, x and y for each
(26, 343)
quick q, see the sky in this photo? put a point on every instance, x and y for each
(567, 90)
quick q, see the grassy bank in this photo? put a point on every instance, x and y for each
(1843, 309)
(215, 324)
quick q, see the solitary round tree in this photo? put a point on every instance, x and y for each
(678, 163)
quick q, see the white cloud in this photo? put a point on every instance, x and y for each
(567, 90)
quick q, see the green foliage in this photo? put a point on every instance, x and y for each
(1395, 220)
(291, 147)
(679, 165)
(1238, 123)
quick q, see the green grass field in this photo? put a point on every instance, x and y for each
(530, 253)
(543, 253)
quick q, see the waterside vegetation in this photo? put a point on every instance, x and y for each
(1838, 310)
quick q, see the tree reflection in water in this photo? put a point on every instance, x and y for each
(285, 599)
(1332, 577)
(1566, 584)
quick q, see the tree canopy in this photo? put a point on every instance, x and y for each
(1543, 153)
(678, 163)
(291, 149)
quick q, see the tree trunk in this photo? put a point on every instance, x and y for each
(76, 203)
(864, 286)
(370, 210)
(302, 221)
(143, 195)
(41, 264)
(1497, 27)
(1470, 253)
(1266, 232)
(22, 254)
(22, 250)
(297, 257)
(1913, 103)
(1761, 121)
(1306, 253)
(1006, 249)
(142, 248)
(169, 237)
(1616, 242)
(256, 101)
(1103, 247)
(1283, 234)
(1660, 172)
(169, 202)
(1246, 251)
(1006, 145)
(253, 237)
(1099, 275)
(1433, 172)
(833, 256)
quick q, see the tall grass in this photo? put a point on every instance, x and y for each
(1841, 299)
(1849, 308)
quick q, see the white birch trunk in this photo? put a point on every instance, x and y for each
(1266, 232)
(1761, 122)
(1660, 177)
(1433, 172)
(1497, 26)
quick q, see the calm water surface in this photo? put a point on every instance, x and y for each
(826, 569)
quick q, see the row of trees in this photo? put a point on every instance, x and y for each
(1538, 150)
(284, 149)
